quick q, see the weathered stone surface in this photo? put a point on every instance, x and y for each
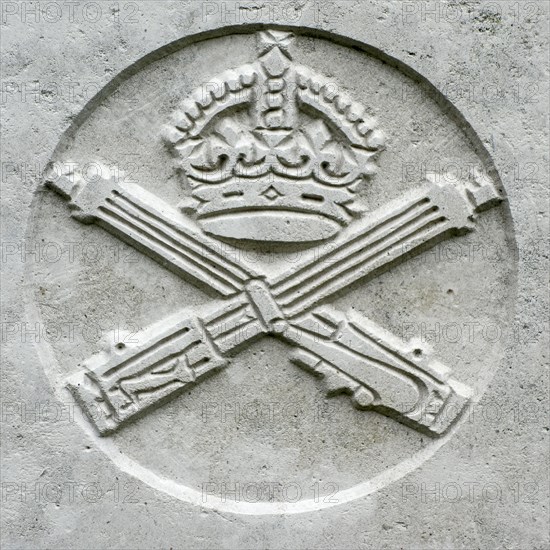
(275, 284)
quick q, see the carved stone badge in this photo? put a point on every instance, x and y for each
(264, 197)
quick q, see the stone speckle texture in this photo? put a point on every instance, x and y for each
(486, 487)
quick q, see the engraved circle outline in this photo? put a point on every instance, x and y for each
(46, 353)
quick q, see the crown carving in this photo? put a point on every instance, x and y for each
(273, 151)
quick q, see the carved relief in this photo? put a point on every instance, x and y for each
(260, 180)
(292, 163)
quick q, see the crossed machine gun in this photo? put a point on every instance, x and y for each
(349, 351)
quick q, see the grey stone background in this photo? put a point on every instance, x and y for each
(487, 487)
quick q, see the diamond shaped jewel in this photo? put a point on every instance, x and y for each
(271, 193)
